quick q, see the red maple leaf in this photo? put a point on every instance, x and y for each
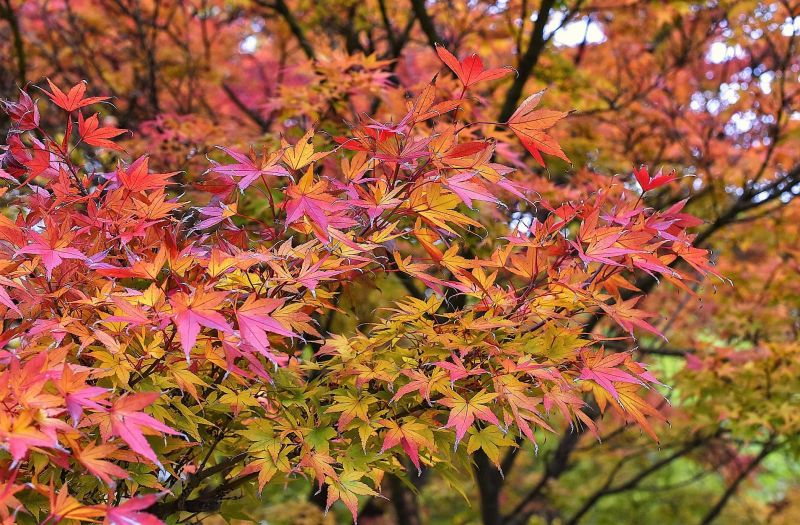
(249, 168)
(650, 183)
(72, 100)
(52, 249)
(131, 512)
(255, 321)
(602, 369)
(91, 133)
(126, 420)
(137, 178)
(311, 199)
(528, 124)
(470, 70)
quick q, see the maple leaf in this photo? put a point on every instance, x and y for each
(378, 199)
(311, 199)
(216, 213)
(627, 316)
(130, 314)
(6, 300)
(410, 436)
(470, 70)
(523, 407)
(248, 168)
(190, 313)
(464, 412)
(91, 133)
(65, 507)
(137, 177)
(697, 258)
(126, 420)
(25, 112)
(566, 401)
(422, 384)
(650, 183)
(92, 458)
(602, 369)
(255, 321)
(457, 369)
(52, 250)
(77, 394)
(437, 207)
(74, 99)
(465, 185)
(350, 405)
(604, 245)
(8, 501)
(489, 440)
(310, 273)
(130, 512)
(154, 206)
(464, 154)
(638, 409)
(528, 124)
(42, 162)
(22, 433)
(347, 487)
(302, 153)
(321, 464)
(142, 269)
(423, 108)
(267, 465)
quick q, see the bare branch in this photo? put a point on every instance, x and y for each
(768, 448)
(294, 26)
(607, 489)
(528, 60)
(8, 14)
(426, 22)
(251, 113)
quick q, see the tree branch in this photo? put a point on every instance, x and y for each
(19, 48)
(528, 60)
(555, 467)
(204, 502)
(490, 483)
(387, 24)
(282, 9)
(251, 113)
(607, 489)
(715, 511)
(426, 22)
(404, 501)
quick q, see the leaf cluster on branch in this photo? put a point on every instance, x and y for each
(159, 356)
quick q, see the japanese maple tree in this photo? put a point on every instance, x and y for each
(159, 355)
(689, 107)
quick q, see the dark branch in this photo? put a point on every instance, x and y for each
(425, 22)
(251, 113)
(8, 14)
(715, 511)
(294, 26)
(555, 467)
(490, 483)
(528, 61)
(607, 489)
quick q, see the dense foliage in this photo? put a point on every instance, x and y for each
(341, 257)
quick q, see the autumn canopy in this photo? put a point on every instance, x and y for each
(276, 261)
